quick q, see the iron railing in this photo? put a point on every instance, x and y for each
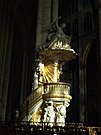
(26, 128)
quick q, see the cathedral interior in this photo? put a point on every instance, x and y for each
(50, 57)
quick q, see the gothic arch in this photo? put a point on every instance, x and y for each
(89, 71)
(85, 54)
(83, 86)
